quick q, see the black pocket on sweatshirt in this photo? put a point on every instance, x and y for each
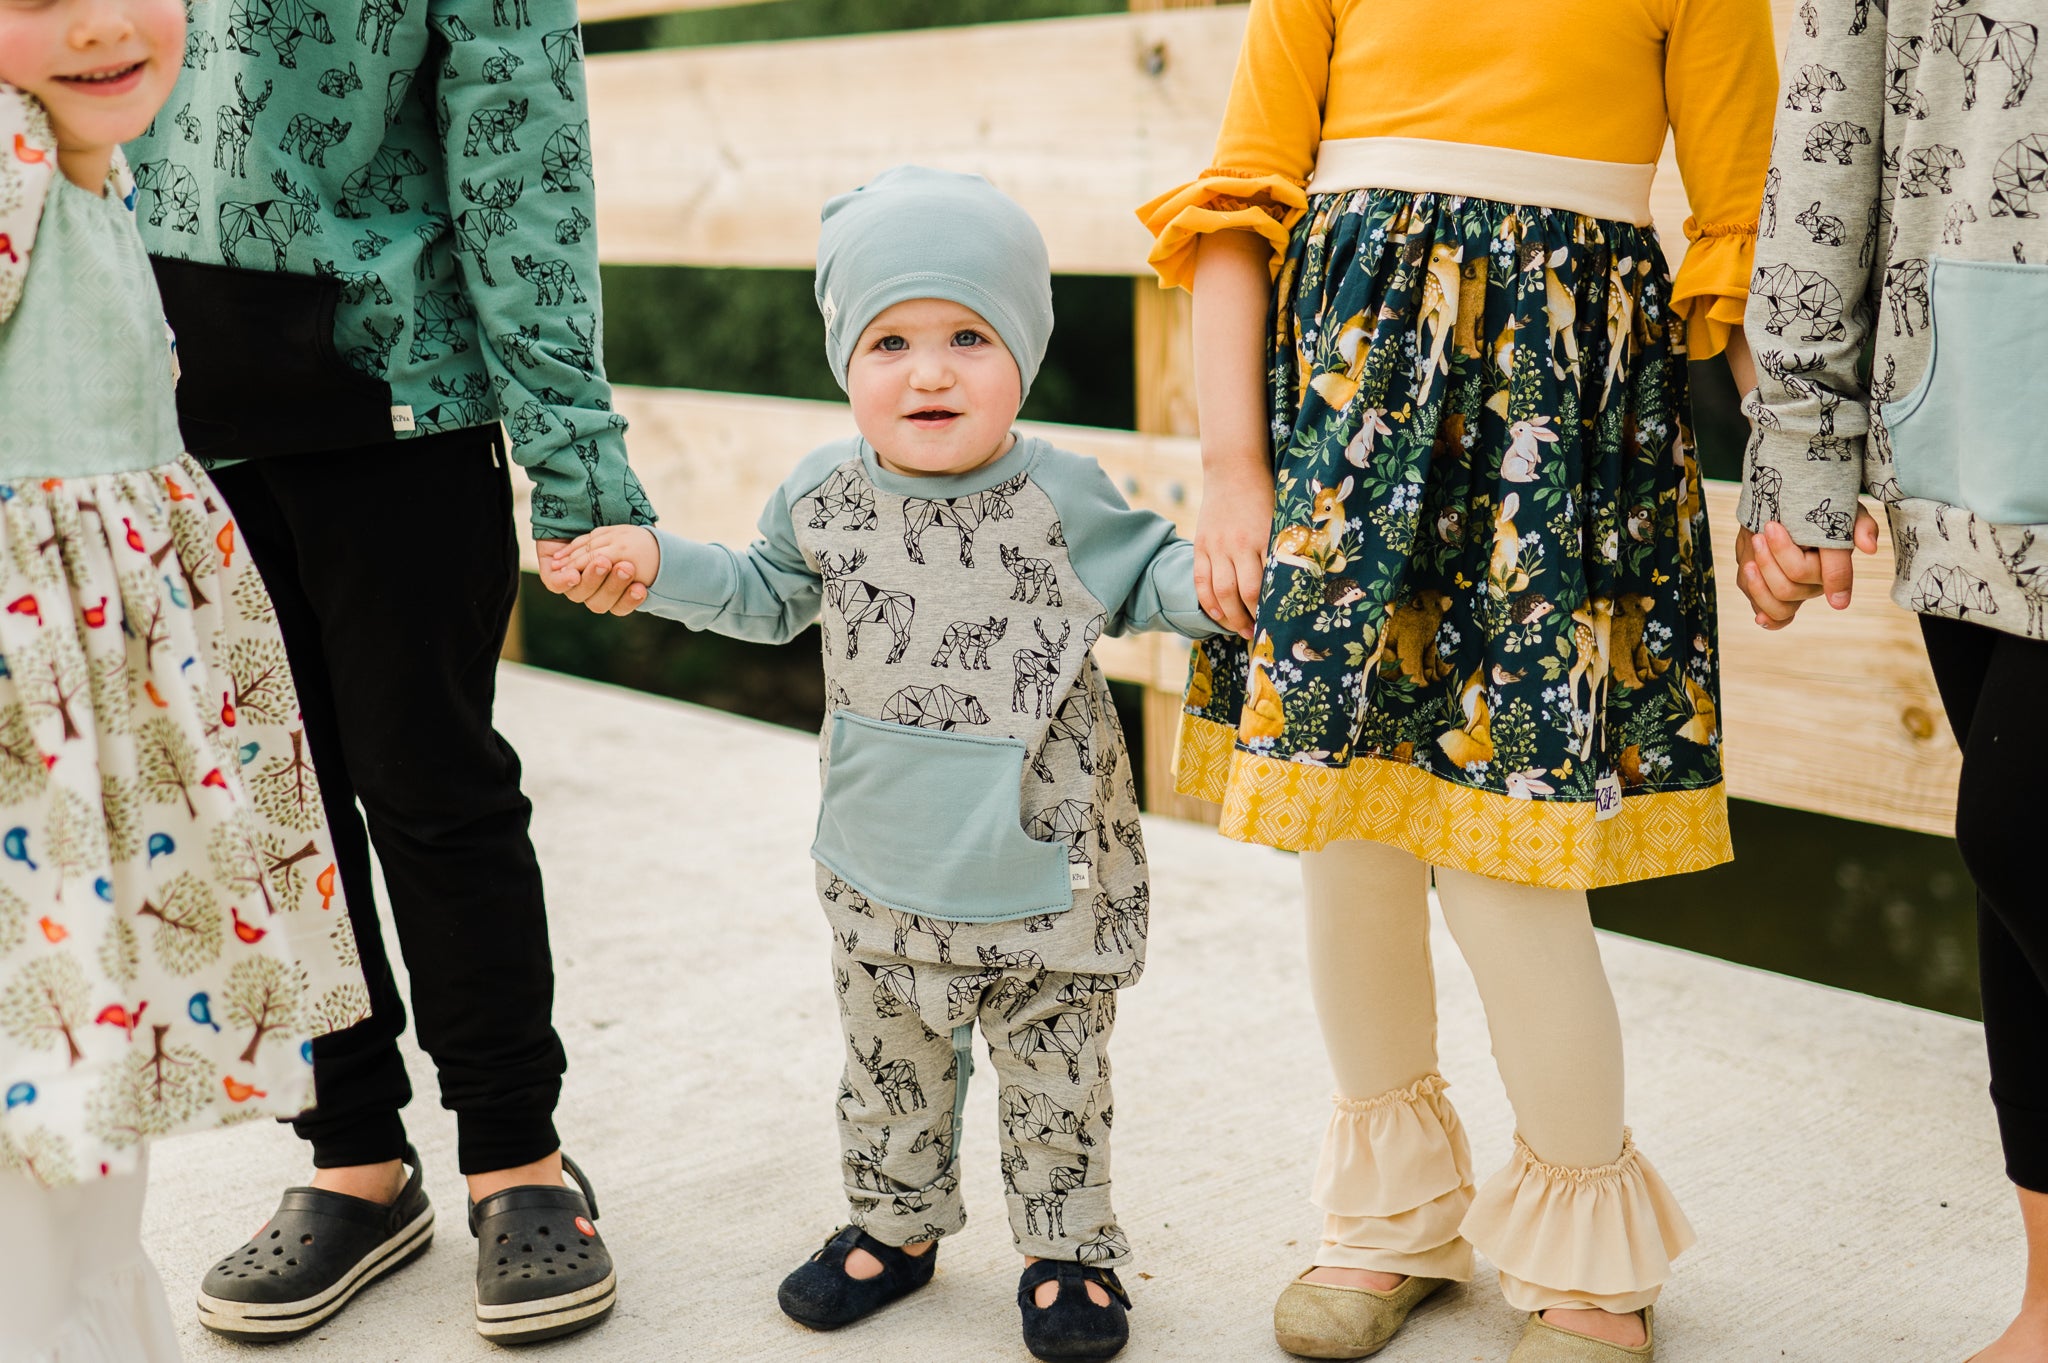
(258, 371)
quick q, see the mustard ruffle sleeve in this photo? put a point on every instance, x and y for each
(1267, 148)
(1721, 90)
(1221, 200)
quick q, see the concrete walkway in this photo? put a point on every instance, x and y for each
(1829, 1147)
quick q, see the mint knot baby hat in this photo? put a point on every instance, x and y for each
(912, 232)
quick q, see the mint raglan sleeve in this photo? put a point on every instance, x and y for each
(516, 140)
(1813, 298)
(1134, 562)
(768, 594)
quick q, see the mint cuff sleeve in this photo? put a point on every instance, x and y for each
(768, 594)
(1134, 562)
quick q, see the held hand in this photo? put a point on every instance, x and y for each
(1230, 549)
(1778, 576)
(606, 570)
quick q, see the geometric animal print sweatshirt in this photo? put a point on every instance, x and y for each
(1898, 306)
(973, 768)
(373, 221)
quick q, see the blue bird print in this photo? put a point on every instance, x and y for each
(200, 1010)
(20, 1095)
(306, 1051)
(15, 844)
(249, 751)
(104, 888)
(178, 597)
(160, 845)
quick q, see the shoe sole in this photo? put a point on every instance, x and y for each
(260, 1321)
(1306, 1346)
(530, 1322)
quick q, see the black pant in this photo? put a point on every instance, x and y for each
(1994, 686)
(394, 571)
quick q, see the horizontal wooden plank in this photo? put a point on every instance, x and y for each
(1838, 714)
(598, 11)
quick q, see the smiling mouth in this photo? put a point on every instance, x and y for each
(107, 76)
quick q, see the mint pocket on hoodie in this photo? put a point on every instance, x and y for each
(1973, 433)
(929, 821)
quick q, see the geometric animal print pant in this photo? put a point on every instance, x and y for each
(899, 1103)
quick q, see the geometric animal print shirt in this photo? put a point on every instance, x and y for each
(1898, 303)
(974, 772)
(432, 158)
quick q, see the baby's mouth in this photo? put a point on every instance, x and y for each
(932, 416)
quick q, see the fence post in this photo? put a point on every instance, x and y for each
(1165, 377)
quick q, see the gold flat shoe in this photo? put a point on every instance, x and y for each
(1324, 1320)
(1545, 1343)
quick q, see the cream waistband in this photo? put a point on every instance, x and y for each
(1615, 190)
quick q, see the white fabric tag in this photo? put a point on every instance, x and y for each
(1077, 875)
(1606, 797)
(401, 418)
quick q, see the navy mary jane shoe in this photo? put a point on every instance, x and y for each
(821, 1295)
(1073, 1328)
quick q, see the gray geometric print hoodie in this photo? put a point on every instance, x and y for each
(974, 770)
(1898, 306)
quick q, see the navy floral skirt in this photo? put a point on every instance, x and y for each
(1486, 632)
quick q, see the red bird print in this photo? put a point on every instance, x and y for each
(26, 605)
(176, 492)
(134, 536)
(227, 710)
(7, 249)
(53, 930)
(225, 542)
(248, 932)
(324, 883)
(96, 616)
(239, 1092)
(114, 1015)
(52, 484)
(155, 697)
(24, 152)
(214, 779)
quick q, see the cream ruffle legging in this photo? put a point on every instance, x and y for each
(1576, 1217)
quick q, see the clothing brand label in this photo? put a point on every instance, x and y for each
(1606, 797)
(401, 418)
(1077, 875)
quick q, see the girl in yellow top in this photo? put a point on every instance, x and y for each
(1452, 507)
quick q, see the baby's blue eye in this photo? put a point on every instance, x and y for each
(892, 343)
(969, 338)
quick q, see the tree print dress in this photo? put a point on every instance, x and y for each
(171, 929)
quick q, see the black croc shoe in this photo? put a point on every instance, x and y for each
(541, 1269)
(315, 1252)
(821, 1295)
(1073, 1327)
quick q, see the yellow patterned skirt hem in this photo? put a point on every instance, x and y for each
(1300, 807)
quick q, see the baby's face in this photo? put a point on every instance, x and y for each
(934, 388)
(103, 68)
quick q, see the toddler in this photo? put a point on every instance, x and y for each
(978, 849)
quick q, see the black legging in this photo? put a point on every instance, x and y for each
(1994, 685)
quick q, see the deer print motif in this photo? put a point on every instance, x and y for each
(234, 126)
(846, 493)
(969, 642)
(439, 319)
(1036, 1118)
(466, 405)
(1063, 1034)
(1052, 1203)
(1901, 60)
(273, 222)
(1131, 834)
(861, 603)
(375, 358)
(1905, 292)
(1974, 39)
(1120, 923)
(938, 929)
(895, 1080)
(864, 1166)
(517, 10)
(1038, 671)
(308, 138)
(1033, 576)
(375, 24)
(1767, 216)
(488, 217)
(2030, 578)
(963, 514)
(553, 281)
(563, 49)
(583, 356)
(1315, 546)
(493, 129)
(1074, 723)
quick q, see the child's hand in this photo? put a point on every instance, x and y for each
(1778, 576)
(625, 558)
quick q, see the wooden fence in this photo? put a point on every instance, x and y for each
(721, 156)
